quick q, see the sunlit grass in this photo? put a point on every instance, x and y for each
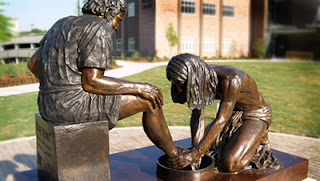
(292, 89)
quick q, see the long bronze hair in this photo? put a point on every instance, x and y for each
(199, 78)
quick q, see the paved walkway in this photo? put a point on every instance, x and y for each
(20, 154)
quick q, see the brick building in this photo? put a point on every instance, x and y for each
(204, 27)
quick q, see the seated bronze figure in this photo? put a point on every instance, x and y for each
(238, 137)
(70, 65)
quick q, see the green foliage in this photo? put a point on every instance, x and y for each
(17, 115)
(172, 36)
(79, 6)
(38, 31)
(259, 48)
(165, 58)
(33, 31)
(135, 56)
(156, 58)
(13, 69)
(5, 25)
(148, 58)
(122, 56)
(114, 62)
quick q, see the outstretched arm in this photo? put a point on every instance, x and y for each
(94, 81)
(230, 90)
(197, 125)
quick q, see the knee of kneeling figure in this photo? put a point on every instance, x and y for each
(231, 164)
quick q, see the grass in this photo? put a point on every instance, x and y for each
(13, 69)
(17, 115)
(292, 89)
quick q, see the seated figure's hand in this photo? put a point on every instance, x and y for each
(184, 158)
(151, 93)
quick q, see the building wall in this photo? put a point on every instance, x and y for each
(259, 22)
(152, 19)
(131, 28)
(297, 37)
(147, 28)
(166, 14)
(190, 28)
(237, 28)
(211, 28)
(304, 12)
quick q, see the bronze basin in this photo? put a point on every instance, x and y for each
(204, 173)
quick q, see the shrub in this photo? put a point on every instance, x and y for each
(122, 56)
(148, 58)
(114, 62)
(13, 69)
(156, 58)
(166, 58)
(259, 48)
(172, 36)
(135, 56)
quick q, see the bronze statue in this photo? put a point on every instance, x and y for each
(238, 137)
(70, 65)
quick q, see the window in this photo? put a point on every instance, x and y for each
(227, 45)
(209, 45)
(131, 44)
(24, 45)
(9, 47)
(131, 10)
(187, 44)
(209, 9)
(119, 45)
(188, 7)
(37, 45)
(228, 11)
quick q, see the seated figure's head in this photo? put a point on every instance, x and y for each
(109, 9)
(192, 81)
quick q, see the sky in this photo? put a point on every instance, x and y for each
(41, 14)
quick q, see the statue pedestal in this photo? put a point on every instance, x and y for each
(140, 164)
(72, 151)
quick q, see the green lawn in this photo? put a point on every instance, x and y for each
(292, 89)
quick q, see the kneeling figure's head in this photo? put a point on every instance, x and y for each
(192, 81)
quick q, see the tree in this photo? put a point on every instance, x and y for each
(78, 6)
(172, 36)
(5, 25)
(259, 48)
(33, 31)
